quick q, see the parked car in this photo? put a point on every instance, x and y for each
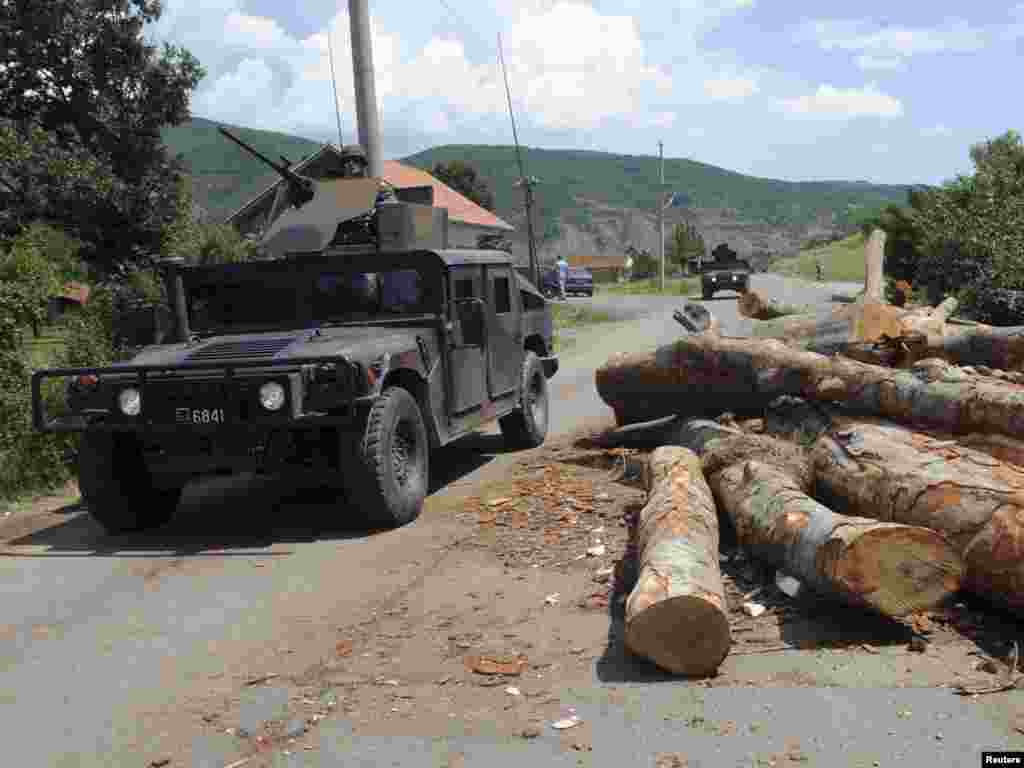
(580, 281)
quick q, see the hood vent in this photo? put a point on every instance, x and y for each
(241, 350)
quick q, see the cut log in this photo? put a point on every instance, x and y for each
(704, 374)
(874, 266)
(860, 323)
(752, 304)
(891, 473)
(763, 486)
(676, 615)
(1001, 348)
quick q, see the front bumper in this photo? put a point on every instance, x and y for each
(319, 390)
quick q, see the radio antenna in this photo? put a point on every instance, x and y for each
(524, 180)
(334, 82)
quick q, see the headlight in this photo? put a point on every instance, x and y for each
(129, 400)
(272, 396)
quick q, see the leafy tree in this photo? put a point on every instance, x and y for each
(687, 243)
(82, 100)
(200, 242)
(463, 178)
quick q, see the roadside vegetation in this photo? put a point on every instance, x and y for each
(674, 286)
(841, 261)
(570, 318)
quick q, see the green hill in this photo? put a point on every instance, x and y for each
(225, 177)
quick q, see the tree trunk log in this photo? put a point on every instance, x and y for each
(865, 321)
(874, 266)
(752, 304)
(762, 485)
(676, 614)
(891, 473)
(704, 374)
(1000, 348)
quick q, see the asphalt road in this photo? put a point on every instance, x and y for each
(110, 649)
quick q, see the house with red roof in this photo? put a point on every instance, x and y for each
(467, 221)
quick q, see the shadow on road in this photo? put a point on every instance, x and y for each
(244, 512)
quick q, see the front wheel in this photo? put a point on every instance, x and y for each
(389, 474)
(527, 426)
(118, 488)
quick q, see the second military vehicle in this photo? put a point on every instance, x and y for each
(352, 363)
(724, 271)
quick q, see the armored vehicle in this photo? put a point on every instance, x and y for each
(724, 271)
(351, 363)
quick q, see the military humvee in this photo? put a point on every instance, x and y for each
(724, 271)
(352, 363)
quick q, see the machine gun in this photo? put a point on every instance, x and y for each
(301, 190)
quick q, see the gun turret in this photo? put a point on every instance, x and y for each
(301, 189)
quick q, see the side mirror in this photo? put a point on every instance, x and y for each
(470, 316)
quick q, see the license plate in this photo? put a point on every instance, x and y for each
(199, 416)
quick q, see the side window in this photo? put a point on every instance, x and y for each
(464, 288)
(502, 296)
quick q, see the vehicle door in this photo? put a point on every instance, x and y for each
(468, 351)
(504, 333)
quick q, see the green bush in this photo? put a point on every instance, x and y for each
(28, 277)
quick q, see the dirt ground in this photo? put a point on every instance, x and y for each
(526, 609)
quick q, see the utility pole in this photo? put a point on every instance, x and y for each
(366, 90)
(526, 181)
(334, 82)
(661, 216)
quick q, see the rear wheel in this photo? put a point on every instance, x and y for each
(117, 486)
(389, 473)
(527, 426)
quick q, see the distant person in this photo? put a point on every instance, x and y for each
(563, 276)
(817, 269)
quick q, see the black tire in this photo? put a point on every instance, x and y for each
(527, 426)
(118, 488)
(708, 293)
(389, 476)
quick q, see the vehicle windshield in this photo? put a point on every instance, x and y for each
(276, 301)
(341, 296)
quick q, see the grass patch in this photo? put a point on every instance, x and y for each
(674, 286)
(569, 318)
(841, 261)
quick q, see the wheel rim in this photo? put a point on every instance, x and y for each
(405, 454)
(536, 403)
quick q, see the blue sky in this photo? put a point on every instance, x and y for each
(888, 92)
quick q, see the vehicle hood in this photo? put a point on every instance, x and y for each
(361, 343)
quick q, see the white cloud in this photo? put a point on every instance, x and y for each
(829, 101)
(888, 41)
(867, 62)
(577, 80)
(1015, 29)
(730, 88)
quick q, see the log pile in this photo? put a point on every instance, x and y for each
(884, 476)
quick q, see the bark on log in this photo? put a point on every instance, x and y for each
(861, 323)
(874, 266)
(676, 614)
(763, 487)
(1000, 348)
(703, 374)
(752, 304)
(891, 473)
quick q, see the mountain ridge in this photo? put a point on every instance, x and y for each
(576, 188)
